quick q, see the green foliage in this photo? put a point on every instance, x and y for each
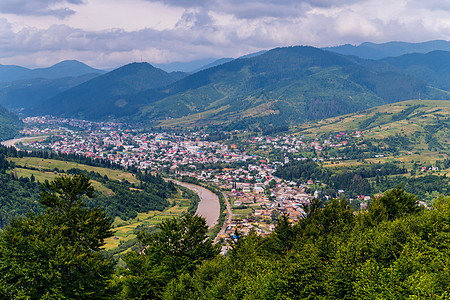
(334, 253)
(303, 170)
(56, 254)
(393, 204)
(20, 195)
(178, 248)
(10, 125)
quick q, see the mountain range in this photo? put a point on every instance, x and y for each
(391, 49)
(107, 94)
(283, 86)
(67, 68)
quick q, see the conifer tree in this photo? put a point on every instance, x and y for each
(56, 254)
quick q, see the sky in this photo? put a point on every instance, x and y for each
(111, 33)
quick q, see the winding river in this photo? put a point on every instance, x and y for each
(12, 142)
(209, 205)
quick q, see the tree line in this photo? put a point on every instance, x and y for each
(19, 195)
(393, 250)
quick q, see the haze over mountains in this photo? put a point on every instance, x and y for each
(67, 68)
(282, 86)
(391, 49)
(107, 93)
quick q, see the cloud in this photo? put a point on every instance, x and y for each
(38, 7)
(258, 8)
(216, 28)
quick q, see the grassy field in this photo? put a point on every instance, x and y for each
(241, 212)
(40, 163)
(426, 123)
(383, 125)
(125, 230)
(42, 176)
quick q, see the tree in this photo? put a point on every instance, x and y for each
(56, 254)
(393, 204)
(179, 247)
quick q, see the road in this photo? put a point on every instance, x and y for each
(209, 205)
(227, 222)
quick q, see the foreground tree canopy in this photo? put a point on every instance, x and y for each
(55, 255)
(394, 250)
(177, 249)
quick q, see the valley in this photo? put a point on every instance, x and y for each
(262, 175)
(288, 173)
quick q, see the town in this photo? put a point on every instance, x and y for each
(257, 197)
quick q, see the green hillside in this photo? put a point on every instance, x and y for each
(103, 96)
(284, 86)
(10, 125)
(424, 123)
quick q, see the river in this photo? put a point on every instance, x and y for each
(9, 143)
(209, 205)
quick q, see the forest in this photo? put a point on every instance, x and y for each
(362, 180)
(20, 195)
(367, 179)
(393, 250)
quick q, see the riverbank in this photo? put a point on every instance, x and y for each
(13, 142)
(209, 205)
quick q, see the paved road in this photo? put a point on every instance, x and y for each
(209, 205)
(228, 221)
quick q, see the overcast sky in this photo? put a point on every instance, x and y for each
(110, 33)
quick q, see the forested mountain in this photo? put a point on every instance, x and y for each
(282, 86)
(67, 68)
(433, 67)
(10, 125)
(30, 92)
(377, 51)
(105, 94)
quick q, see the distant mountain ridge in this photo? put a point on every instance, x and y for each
(106, 93)
(433, 67)
(67, 68)
(391, 49)
(21, 94)
(282, 86)
(201, 64)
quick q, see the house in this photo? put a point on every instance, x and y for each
(246, 189)
(258, 190)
